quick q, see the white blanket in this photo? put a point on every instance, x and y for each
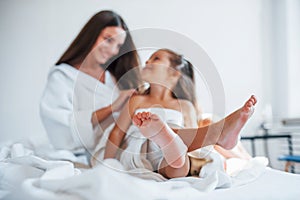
(23, 174)
(213, 175)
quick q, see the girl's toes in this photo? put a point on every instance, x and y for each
(136, 121)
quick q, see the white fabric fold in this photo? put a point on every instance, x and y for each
(29, 176)
(69, 99)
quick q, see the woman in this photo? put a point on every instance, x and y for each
(171, 99)
(82, 91)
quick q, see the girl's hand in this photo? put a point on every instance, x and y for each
(117, 105)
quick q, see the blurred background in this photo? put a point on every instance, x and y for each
(254, 45)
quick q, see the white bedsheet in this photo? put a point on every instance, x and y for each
(31, 177)
(273, 184)
(134, 159)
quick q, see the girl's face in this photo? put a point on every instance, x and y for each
(108, 43)
(158, 69)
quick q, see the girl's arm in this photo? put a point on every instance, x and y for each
(117, 134)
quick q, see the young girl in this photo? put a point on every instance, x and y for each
(170, 102)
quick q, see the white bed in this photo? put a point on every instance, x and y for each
(273, 184)
(28, 176)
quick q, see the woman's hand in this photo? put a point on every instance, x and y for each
(101, 114)
(122, 99)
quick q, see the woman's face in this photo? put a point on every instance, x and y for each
(108, 43)
(158, 68)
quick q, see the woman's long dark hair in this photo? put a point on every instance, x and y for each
(119, 65)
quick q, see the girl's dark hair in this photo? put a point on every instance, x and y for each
(185, 87)
(126, 60)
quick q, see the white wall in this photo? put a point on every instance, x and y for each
(35, 33)
(293, 32)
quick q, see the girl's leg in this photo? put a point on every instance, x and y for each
(152, 127)
(224, 133)
(175, 161)
(170, 172)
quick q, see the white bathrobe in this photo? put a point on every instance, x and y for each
(67, 104)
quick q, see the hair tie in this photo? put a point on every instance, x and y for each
(182, 65)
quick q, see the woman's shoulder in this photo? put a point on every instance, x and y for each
(62, 70)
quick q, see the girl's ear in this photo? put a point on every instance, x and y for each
(174, 72)
(175, 75)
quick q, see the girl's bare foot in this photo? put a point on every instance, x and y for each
(234, 123)
(153, 128)
(149, 124)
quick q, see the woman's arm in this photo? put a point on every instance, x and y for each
(101, 114)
